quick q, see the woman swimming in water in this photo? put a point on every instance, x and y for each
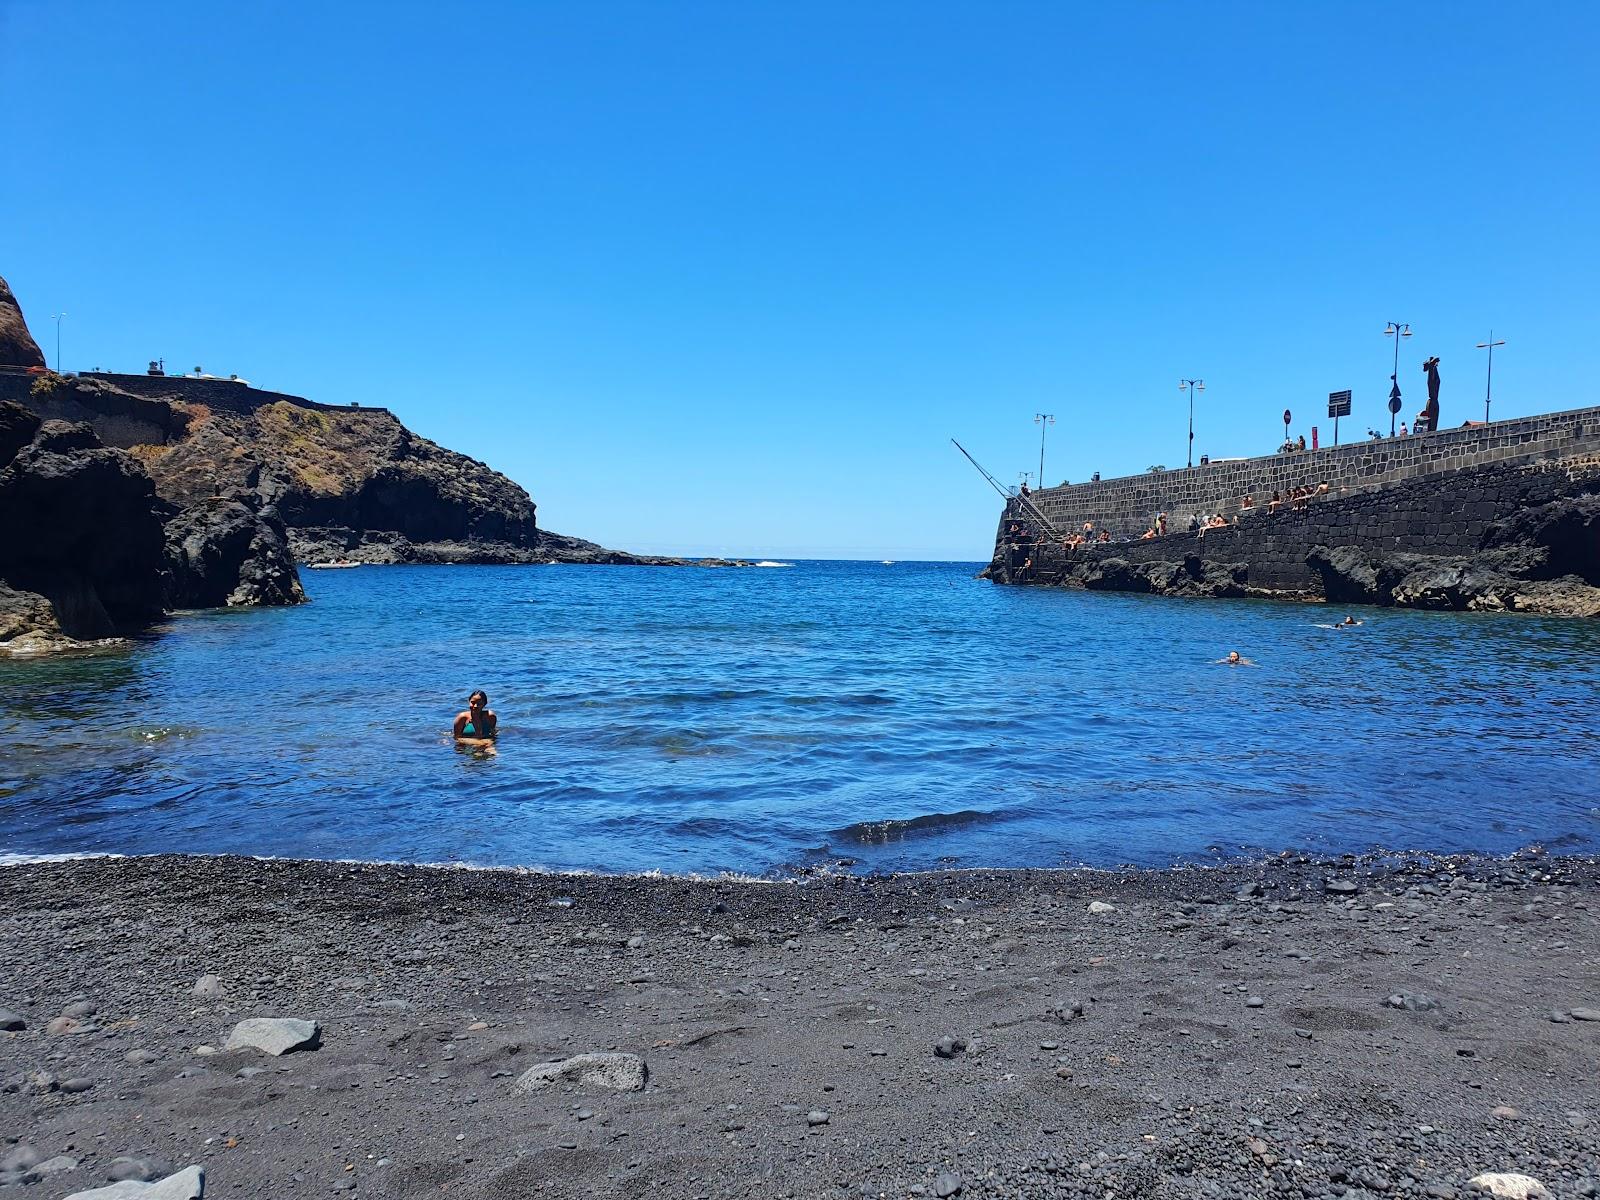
(476, 727)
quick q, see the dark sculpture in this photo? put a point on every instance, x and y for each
(1430, 413)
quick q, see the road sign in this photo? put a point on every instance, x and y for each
(1339, 404)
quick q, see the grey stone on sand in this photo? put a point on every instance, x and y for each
(55, 1166)
(1100, 906)
(1412, 1001)
(275, 1035)
(187, 1184)
(947, 1184)
(1585, 1014)
(621, 1072)
(136, 1168)
(1340, 887)
(1510, 1186)
(80, 1009)
(208, 987)
(817, 1116)
(10, 1022)
(141, 1057)
(19, 1159)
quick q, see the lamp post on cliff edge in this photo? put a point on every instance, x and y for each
(1396, 330)
(57, 318)
(1192, 386)
(1043, 421)
(1488, 382)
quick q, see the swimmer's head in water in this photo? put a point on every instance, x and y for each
(478, 699)
(1233, 656)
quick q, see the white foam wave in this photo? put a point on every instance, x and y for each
(768, 563)
(11, 859)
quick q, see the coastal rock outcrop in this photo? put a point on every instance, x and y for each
(80, 533)
(88, 551)
(17, 347)
(1513, 579)
(230, 551)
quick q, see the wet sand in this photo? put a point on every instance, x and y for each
(1194, 1040)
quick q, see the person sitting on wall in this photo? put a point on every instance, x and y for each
(1322, 488)
(1024, 489)
(1275, 503)
(1287, 447)
(1403, 432)
(1161, 524)
(1147, 535)
(1249, 501)
(1301, 443)
(1194, 522)
(1105, 535)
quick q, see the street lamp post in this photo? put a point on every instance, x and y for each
(1191, 386)
(1043, 421)
(1396, 330)
(56, 317)
(1488, 382)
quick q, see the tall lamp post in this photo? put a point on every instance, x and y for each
(1191, 386)
(1396, 330)
(56, 317)
(1488, 382)
(1044, 421)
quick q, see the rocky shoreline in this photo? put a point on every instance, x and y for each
(1293, 1027)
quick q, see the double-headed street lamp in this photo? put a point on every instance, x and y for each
(1396, 330)
(1043, 421)
(1191, 386)
(1488, 383)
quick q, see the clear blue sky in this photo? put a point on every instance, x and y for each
(726, 277)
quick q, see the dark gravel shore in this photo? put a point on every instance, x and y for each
(1221, 1032)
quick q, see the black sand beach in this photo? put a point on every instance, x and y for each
(1223, 1032)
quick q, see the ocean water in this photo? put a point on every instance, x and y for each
(764, 721)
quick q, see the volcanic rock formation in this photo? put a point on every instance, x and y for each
(81, 547)
(17, 347)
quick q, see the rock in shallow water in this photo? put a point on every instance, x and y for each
(275, 1035)
(187, 1184)
(10, 1022)
(622, 1072)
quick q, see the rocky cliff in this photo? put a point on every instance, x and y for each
(89, 551)
(17, 347)
(349, 483)
(81, 547)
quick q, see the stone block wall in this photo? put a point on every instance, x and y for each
(1127, 505)
(1445, 513)
(227, 394)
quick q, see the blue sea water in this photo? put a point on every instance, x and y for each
(759, 721)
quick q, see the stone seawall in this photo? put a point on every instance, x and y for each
(230, 394)
(1127, 505)
(226, 394)
(1522, 524)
